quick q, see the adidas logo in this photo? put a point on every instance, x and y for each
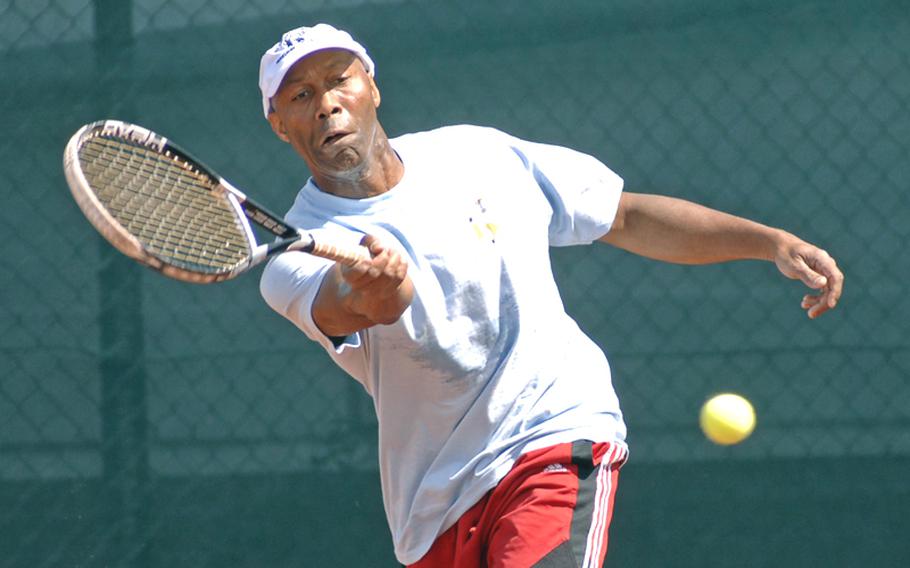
(554, 468)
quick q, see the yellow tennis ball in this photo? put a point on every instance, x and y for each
(727, 419)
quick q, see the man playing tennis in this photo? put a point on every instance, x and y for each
(500, 435)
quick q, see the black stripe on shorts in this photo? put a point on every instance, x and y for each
(571, 554)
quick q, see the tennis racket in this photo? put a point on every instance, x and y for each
(160, 206)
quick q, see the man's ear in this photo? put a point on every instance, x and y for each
(374, 90)
(278, 126)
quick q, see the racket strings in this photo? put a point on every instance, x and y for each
(169, 207)
(183, 202)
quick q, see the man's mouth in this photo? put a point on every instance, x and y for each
(333, 137)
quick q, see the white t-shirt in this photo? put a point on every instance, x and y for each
(485, 364)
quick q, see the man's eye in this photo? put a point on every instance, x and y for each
(341, 80)
(301, 95)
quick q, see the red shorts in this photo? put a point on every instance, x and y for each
(552, 510)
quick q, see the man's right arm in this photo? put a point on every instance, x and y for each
(375, 291)
(680, 231)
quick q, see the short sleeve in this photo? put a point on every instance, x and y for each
(289, 285)
(583, 193)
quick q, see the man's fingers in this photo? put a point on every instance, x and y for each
(372, 244)
(814, 305)
(384, 271)
(817, 304)
(817, 270)
(818, 309)
(808, 275)
(808, 301)
(835, 284)
(362, 272)
(366, 268)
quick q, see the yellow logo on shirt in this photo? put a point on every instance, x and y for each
(484, 228)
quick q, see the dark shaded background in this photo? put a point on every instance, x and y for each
(147, 423)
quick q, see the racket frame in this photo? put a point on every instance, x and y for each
(245, 209)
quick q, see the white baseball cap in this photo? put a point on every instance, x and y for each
(297, 44)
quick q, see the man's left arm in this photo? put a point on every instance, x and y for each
(679, 231)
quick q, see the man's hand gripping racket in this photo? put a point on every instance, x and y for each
(160, 206)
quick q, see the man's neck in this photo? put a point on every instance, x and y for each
(380, 172)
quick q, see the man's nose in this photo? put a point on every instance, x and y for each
(328, 105)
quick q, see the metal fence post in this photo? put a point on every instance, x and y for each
(123, 390)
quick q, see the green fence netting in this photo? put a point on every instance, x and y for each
(149, 423)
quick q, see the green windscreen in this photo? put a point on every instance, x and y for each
(151, 423)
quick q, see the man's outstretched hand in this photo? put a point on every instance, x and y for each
(800, 260)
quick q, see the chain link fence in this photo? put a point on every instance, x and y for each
(144, 422)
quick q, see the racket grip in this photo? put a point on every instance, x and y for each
(343, 255)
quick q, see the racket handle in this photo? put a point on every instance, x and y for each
(343, 255)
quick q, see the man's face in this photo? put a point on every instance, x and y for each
(326, 109)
